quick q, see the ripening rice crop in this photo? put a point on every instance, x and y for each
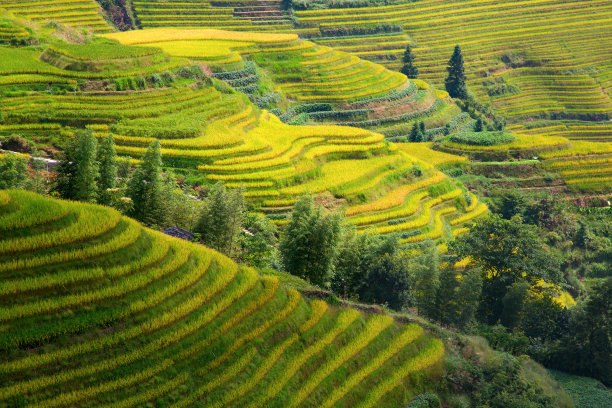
(131, 324)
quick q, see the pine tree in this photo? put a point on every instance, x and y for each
(78, 171)
(107, 159)
(455, 82)
(417, 133)
(409, 69)
(145, 186)
(478, 126)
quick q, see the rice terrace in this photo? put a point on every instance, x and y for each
(306, 203)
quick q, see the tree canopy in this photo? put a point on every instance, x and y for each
(455, 81)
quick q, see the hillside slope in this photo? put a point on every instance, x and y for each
(209, 131)
(96, 310)
(80, 14)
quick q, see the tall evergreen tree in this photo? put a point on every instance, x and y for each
(145, 186)
(455, 82)
(422, 129)
(415, 133)
(78, 171)
(309, 244)
(107, 158)
(409, 69)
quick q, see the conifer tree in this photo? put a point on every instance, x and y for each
(409, 69)
(107, 158)
(415, 134)
(479, 125)
(145, 186)
(78, 171)
(455, 82)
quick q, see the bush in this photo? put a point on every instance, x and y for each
(339, 31)
(482, 138)
(427, 400)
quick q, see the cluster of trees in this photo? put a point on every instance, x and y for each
(455, 82)
(31, 173)
(508, 294)
(417, 133)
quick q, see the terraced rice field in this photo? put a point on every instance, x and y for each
(113, 314)
(321, 84)
(585, 166)
(238, 15)
(556, 52)
(74, 13)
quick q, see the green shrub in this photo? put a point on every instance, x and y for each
(427, 400)
(482, 138)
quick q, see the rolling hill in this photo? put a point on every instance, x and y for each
(98, 310)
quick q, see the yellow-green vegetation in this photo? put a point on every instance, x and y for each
(242, 15)
(108, 313)
(585, 166)
(320, 83)
(515, 45)
(80, 14)
(205, 126)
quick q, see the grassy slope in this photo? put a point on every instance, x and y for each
(108, 312)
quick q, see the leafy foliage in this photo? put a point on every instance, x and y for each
(308, 247)
(482, 138)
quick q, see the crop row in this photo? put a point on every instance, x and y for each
(427, 356)
(154, 322)
(123, 359)
(345, 318)
(395, 197)
(423, 217)
(410, 334)
(374, 326)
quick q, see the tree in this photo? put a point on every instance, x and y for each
(356, 255)
(417, 133)
(409, 69)
(258, 241)
(107, 159)
(390, 282)
(309, 244)
(13, 171)
(587, 349)
(78, 171)
(145, 187)
(479, 125)
(221, 220)
(425, 273)
(508, 252)
(38, 177)
(455, 82)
